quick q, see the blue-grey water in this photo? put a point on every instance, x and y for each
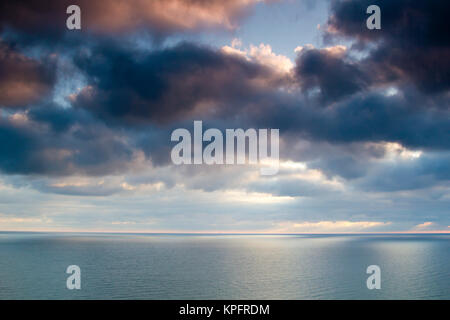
(131, 266)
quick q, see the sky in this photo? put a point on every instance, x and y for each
(86, 115)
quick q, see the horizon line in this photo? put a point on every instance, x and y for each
(229, 233)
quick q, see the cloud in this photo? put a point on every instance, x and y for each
(6, 221)
(38, 143)
(432, 169)
(133, 99)
(171, 84)
(160, 17)
(261, 54)
(327, 70)
(412, 45)
(23, 80)
(127, 109)
(410, 119)
(424, 225)
(331, 226)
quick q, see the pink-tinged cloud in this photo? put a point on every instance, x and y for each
(161, 16)
(22, 80)
(424, 225)
(169, 15)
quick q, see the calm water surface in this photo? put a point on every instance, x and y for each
(130, 266)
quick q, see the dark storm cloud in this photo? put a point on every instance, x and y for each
(414, 120)
(427, 171)
(336, 78)
(23, 80)
(165, 85)
(376, 117)
(58, 119)
(62, 142)
(412, 21)
(412, 46)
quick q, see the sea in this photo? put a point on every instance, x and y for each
(224, 266)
